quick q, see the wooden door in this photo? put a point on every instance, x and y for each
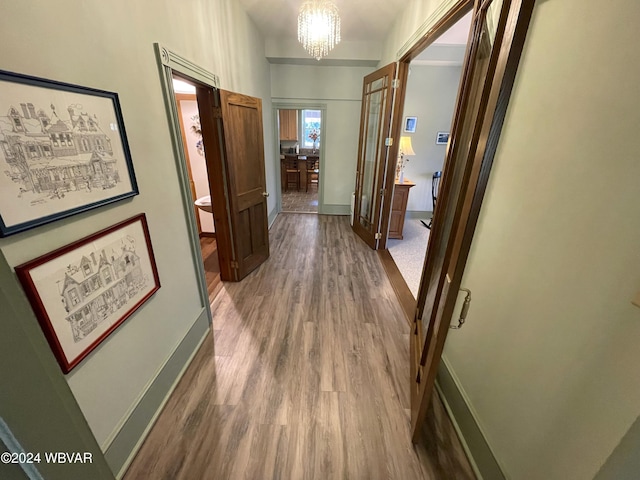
(373, 153)
(236, 179)
(497, 36)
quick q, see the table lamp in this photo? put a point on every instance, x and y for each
(404, 150)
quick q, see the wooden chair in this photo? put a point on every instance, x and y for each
(435, 186)
(292, 173)
(313, 172)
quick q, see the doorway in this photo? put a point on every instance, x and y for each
(231, 127)
(197, 170)
(430, 96)
(300, 157)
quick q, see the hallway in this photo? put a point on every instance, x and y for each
(308, 377)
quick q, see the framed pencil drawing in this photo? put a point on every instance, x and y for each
(82, 292)
(63, 150)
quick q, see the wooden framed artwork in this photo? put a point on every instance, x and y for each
(410, 124)
(63, 150)
(82, 292)
(442, 138)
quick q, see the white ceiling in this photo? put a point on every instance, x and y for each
(360, 20)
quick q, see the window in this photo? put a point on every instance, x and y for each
(69, 140)
(106, 274)
(87, 269)
(7, 150)
(311, 120)
(46, 149)
(85, 144)
(73, 296)
(54, 139)
(33, 151)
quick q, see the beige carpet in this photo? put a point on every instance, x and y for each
(409, 252)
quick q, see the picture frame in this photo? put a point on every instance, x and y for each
(81, 293)
(410, 124)
(442, 138)
(63, 151)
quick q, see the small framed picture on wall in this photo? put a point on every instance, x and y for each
(442, 138)
(410, 124)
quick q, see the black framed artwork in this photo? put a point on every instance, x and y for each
(63, 150)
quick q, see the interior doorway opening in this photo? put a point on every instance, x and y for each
(196, 163)
(300, 133)
(432, 85)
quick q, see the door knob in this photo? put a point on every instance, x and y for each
(265, 194)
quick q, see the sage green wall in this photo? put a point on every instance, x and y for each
(624, 462)
(36, 402)
(431, 96)
(547, 359)
(340, 89)
(109, 45)
(548, 356)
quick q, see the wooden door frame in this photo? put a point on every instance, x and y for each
(382, 193)
(433, 27)
(170, 63)
(485, 135)
(284, 105)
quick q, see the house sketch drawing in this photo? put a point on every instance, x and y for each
(99, 285)
(45, 154)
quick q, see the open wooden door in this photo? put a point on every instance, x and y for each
(373, 153)
(233, 140)
(497, 36)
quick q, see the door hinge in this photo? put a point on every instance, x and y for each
(217, 112)
(395, 83)
(377, 236)
(234, 264)
(388, 142)
(382, 192)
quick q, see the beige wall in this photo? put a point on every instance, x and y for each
(109, 45)
(548, 355)
(340, 89)
(431, 96)
(547, 359)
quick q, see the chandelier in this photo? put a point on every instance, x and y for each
(318, 27)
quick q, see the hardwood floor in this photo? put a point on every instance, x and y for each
(300, 201)
(305, 376)
(209, 249)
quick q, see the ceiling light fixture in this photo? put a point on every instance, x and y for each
(318, 27)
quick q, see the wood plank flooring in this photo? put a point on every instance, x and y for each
(305, 376)
(209, 248)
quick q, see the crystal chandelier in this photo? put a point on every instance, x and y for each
(318, 27)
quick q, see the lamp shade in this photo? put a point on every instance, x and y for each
(405, 146)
